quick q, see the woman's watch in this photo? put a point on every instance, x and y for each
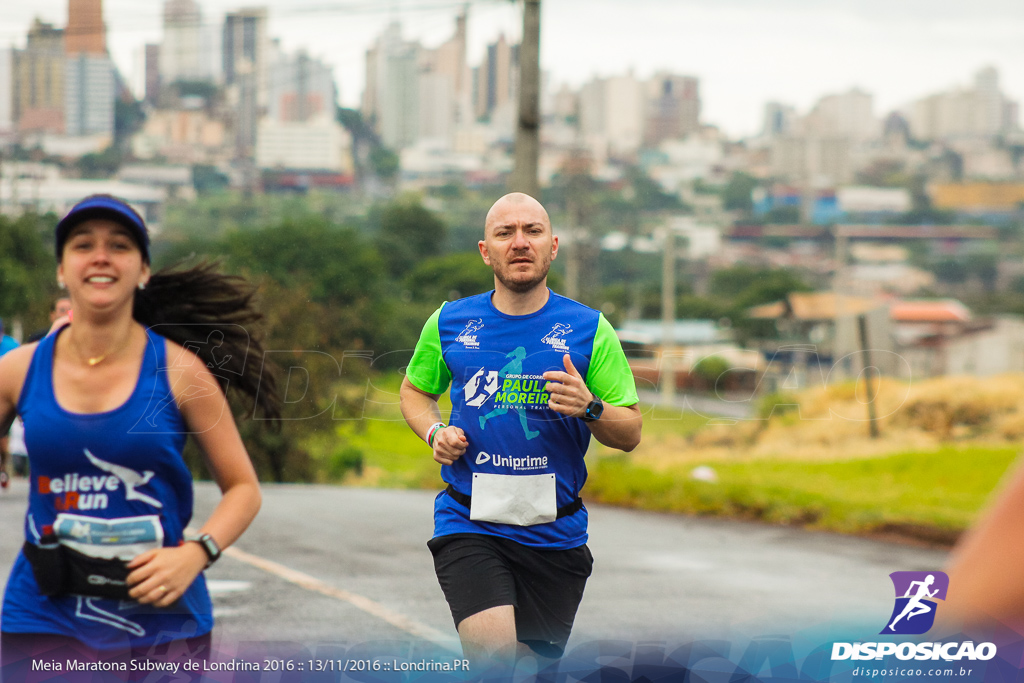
(208, 545)
(594, 410)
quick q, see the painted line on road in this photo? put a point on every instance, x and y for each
(365, 604)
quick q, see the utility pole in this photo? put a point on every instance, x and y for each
(577, 171)
(868, 371)
(839, 326)
(667, 373)
(524, 174)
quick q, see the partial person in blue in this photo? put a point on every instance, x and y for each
(7, 343)
(107, 572)
(533, 376)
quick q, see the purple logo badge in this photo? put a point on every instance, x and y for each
(914, 611)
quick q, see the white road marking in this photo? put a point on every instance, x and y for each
(222, 586)
(365, 604)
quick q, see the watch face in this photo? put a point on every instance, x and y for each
(210, 546)
(595, 409)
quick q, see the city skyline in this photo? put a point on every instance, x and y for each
(745, 54)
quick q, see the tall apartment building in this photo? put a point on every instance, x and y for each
(779, 119)
(849, 116)
(89, 83)
(244, 51)
(6, 90)
(39, 81)
(391, 97)
(445, 87)
(185, 53)
(152, 66)
(89, 94)
(612, 115)
(497, 78)
(300, 130)
(673, 108)
(980, 111)
(299, 87)
(85, 32)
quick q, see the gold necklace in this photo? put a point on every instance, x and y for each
(96, 360)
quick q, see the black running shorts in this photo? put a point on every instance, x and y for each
(478, 572)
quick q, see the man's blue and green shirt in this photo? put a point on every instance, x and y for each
(495, 364)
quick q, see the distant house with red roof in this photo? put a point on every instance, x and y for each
(941, 337)
(910, 338)
(817, 334)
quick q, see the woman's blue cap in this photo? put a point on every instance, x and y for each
(104, 206)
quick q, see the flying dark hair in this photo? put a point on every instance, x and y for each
(213, 315)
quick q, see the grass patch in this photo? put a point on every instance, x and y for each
(390, 455)
(942, 489)
(822, 474)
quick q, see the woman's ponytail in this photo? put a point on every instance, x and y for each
(212, 314)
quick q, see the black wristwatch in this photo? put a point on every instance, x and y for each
(208, 545)
(594, 410)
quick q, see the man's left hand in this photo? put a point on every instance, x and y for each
(568, 393)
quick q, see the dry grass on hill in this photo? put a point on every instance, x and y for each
(831, 423)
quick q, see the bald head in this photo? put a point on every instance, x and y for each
(515, 205)
(518, 244)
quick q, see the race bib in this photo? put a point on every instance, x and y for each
(121, 539)
(523, 500)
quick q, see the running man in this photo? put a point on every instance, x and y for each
(510, 531)
(915, 606)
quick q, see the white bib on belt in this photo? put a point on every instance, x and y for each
(523, 500)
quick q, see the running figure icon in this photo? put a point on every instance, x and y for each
(915, 605)
(515, 367)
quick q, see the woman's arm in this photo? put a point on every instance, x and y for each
(161, 576)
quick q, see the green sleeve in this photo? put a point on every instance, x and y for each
(427, 370)
(609, 376)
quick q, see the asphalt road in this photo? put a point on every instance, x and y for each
(328, 565)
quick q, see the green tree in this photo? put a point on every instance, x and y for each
(755, 285)
(128, 119)
(27, 279)
(385, 163)
(407, 233)
(100, 165)
(647, 195)
(206, 179)
(709, 369)
(951, 270)
(449, 277)
(738, 192)
(328, 306)
(783, 215)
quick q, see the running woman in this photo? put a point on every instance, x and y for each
(533, 376)
(107, 572)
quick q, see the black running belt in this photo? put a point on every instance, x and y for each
(564, 511)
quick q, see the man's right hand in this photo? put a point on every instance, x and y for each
(449, 445)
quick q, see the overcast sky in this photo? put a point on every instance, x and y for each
(745, 52)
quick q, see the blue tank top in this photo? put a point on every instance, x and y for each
(116, 471)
